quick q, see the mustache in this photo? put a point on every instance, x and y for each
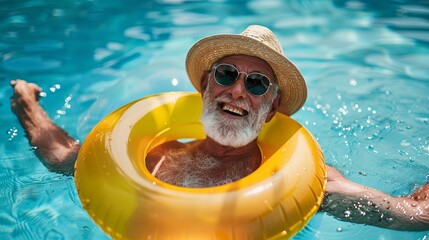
(241, 103)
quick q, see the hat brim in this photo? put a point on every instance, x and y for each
(207, 51)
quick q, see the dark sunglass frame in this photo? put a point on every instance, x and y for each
(247, 82)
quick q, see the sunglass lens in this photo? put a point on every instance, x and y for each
(225, 75)
(257, 84)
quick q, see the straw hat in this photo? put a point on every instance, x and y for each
(257, 41)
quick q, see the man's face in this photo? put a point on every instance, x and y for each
(231, 115)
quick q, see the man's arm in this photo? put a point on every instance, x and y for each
(53, 146)
(349, 201)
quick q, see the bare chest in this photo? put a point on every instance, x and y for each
(200, 170)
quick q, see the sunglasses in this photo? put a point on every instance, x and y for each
(256, 83)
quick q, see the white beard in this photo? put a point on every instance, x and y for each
(229, 132)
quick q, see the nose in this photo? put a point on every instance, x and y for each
(238, 90)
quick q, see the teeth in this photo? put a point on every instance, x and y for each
(233, 110)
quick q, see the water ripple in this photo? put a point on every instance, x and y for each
(30, 64)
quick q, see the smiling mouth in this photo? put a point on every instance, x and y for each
(233, 110)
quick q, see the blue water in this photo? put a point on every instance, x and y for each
(365, 62)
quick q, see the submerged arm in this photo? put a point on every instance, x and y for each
(349, 201)
(53, 146)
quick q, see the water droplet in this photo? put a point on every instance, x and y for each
(61, 112)
(339, 96)
(347, 214)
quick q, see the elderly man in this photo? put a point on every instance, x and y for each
(244, 80)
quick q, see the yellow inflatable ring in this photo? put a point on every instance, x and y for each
(122, 197)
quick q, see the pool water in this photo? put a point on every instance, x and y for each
(365, 63)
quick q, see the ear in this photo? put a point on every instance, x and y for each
(274, 108)
(204, 81)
